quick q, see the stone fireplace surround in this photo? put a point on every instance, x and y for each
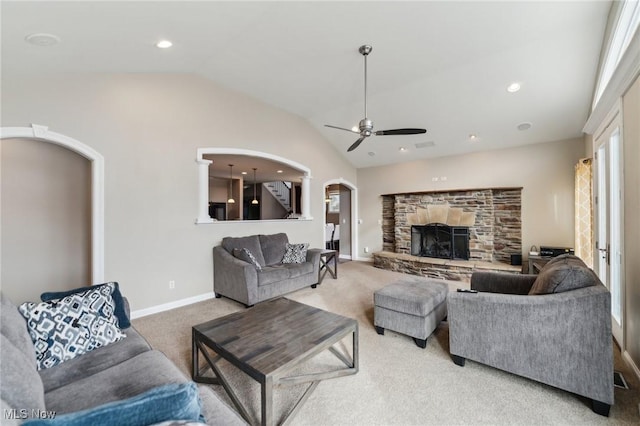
(493, 216)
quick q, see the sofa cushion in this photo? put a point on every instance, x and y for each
(95, 361)
(169, 402)
(246, 255)
(125, 380)
(564, 273)
(283, 271)
(66, 328)
(14, 327)
(273, 247)
(295, 253)
(21, 385)
(120, 311)
(251, 243)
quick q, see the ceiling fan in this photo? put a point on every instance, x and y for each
(366, 125)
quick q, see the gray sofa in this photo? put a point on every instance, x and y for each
(554, 328)
(243, 282)
(114, 372)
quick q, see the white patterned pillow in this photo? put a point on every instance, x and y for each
(76, 324)
(295, 253)
(247, 256)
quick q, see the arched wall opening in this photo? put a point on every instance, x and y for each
(203, 179)
(42, 133)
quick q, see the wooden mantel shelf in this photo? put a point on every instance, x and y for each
(441, 191)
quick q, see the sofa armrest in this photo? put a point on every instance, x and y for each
(313, 256)
(234, 278)
(561, 339)
(502, 282)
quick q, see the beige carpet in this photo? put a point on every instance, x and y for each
(398, 383)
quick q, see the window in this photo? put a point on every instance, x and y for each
(624, 30)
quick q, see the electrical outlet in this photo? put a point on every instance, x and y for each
(172, 285)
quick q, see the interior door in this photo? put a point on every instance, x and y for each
(608, 202)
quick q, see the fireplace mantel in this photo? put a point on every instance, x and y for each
(441, 191)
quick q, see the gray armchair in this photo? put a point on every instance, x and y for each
(562, 339)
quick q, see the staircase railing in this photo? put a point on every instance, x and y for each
(281, 191)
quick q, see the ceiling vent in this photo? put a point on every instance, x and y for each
(425, 144)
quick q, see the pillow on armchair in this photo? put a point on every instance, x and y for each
(563, 273)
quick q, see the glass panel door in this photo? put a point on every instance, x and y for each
(608, 190)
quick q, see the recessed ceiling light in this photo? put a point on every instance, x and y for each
(513, 87)
(279, 171)
(164, 44)
(371, 153)
(355, 129)
(244, 173)
(402, 149)
(473, 137)
(524, 126)
(42, 39)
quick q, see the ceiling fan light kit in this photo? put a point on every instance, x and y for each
(366, 125)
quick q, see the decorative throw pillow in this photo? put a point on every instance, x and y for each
(179, 402)
(295, 253)
(564, 273)
(247, 256)
(120, 311)
(76, 324)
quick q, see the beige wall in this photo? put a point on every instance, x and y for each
(148, 127)
(631, 147)
(46, 219)
(545, 171)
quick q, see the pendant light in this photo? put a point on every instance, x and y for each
(231, 200)
(255, 200)
(326, 195)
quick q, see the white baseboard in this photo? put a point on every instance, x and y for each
(345, 256)
(365, 259)
(634, 367)
(171, 305)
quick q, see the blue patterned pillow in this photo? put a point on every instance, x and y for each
(65, 328)
(168, 402)
(247, 256)
(295, 253)
(120, 312)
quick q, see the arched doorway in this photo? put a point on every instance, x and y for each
(345, 215)
(42, 133)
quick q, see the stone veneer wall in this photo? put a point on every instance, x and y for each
(495, 235)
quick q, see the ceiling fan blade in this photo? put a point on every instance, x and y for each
(341, 128)
(400, 132)
(356, 143)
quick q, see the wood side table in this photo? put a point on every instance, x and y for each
(327, 257)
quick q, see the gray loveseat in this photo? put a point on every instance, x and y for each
(115, 372)
(249, 284)
(554, 328)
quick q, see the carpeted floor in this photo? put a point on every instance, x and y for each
(398, 383)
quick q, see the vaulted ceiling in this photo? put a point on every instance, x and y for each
(443, 66)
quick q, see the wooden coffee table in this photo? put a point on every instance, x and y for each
(267, 342)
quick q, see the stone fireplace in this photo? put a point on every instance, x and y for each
(484, 223)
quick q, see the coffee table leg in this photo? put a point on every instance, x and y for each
(267, 401)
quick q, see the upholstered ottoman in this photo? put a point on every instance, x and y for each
(411, 306)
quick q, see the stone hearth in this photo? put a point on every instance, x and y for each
(455, 270)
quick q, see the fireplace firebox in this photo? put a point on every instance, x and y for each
(440, 240)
